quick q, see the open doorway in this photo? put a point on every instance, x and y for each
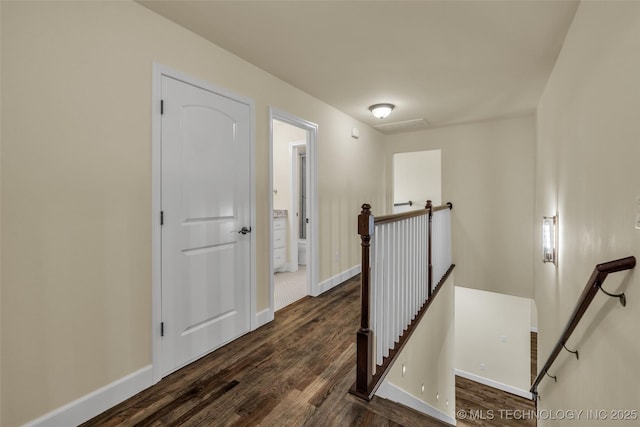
(292, 209)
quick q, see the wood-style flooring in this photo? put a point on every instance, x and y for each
(294, 371)
(480, 405)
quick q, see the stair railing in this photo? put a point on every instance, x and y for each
(594, 284)
(405, 258)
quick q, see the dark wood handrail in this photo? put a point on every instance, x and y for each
(600, 273)
(447, 205)
(384, 219)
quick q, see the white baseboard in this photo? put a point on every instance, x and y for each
(263, 317)
(396, 394)
(96, 402)
(291, 268)
(334, 281)
(495, 384)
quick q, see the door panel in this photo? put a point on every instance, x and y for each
(205, 201)
(206, 195)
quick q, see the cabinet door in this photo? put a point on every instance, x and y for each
(279, 257)
(279, 239)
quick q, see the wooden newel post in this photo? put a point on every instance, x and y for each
(429, 259)
(364, 338)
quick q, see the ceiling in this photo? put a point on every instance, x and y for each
(439, 62)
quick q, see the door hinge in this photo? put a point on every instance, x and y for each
(161, 217)
(161, 329)
(162, 106)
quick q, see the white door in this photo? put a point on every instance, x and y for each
(205, 202)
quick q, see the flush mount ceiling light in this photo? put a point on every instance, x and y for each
(381, 111)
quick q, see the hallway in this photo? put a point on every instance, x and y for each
(294, 371)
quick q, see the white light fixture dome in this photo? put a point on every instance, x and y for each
(381, 111)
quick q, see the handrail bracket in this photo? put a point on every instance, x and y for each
(555, 378)
(621, 296)
(574, 352)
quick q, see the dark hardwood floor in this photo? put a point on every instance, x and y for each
(294, 371)
(480, 405)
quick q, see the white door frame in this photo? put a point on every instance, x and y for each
(160, 70)
(295, 193)
(312, 239)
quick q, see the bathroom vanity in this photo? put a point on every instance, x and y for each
(279, 239)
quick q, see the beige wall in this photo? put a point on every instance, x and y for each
(428, 356)
(493, 337)
(587, 171)
(488, 174)
(76, 189)
(416, 177)
(283, 136)
(534, 315)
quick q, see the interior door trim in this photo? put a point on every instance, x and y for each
(158, 71)
(294, 226)
(313, 241)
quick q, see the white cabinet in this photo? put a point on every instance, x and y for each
(279, 242)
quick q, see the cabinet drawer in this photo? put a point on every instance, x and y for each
(278, 257)
(279, 223)
(279, 238)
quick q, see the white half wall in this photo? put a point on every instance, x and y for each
(428, 381)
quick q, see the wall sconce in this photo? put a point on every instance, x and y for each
(381, 111)
(550, 239)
